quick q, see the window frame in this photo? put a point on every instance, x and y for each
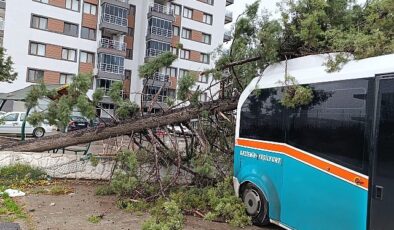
(205, 18)
(186, 33)
(88, 54)
(37, 44)
(184, 54)
(39, 19)
(90, 32)
(205, 58)
(72, 5)
(66, 75)
(90, 7)
(188, 12)
(204, 36)
(36, 71)
(68, 51)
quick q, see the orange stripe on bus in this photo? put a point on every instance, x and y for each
(324, 166)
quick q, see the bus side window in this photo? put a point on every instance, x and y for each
(334, 126)
(262, 116)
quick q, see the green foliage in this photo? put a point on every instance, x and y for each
(126, 109)
(218, 202)
(155, 64)
(104, 190)
(19, 174)
(10, 210)
(7, 73)
(94, 160)
(184, 86)
(167, 216)
(94, 219)
(295, 95)
(98, 96)
(336, 63)
(115, 92)
(59, 111)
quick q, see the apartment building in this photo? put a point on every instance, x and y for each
(53, 40)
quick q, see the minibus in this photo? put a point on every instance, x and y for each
(328, 164)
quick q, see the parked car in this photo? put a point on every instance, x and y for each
(2, 113)
(77, 123)
(176, 129)
(12, 124)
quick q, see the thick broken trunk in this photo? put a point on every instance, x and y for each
(124, 128)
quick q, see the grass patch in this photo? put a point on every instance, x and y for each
(55, 190)
(105, 190)
(10, 210)
(20, 175)
(95, 219)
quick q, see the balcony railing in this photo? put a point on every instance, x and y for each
(160, 31)
(154, 52)
(106, 91)
(109, 18)
(112, 44)
(161, 9)
(150, 97)
(110, 68)
(161, 77)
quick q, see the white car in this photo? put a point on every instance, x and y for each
(12, 124)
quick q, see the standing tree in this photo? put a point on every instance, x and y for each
(7, 73)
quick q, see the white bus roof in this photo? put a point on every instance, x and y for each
(311, 69)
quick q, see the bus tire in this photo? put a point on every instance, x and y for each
(256, 204)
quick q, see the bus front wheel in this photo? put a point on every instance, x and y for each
(256, 204)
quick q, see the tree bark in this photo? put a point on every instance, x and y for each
(129, 126)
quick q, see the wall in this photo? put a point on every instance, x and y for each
(59, 165)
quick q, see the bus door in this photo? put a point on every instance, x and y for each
(382, 189)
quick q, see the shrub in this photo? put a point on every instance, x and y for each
(167, 216)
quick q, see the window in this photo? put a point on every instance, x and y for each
(132, 10)
(11, 117)
(70, 29)
(86, 57)
(183, 72)
(127, 74)
(42, 1)
(262, 116)
(334, 127)
(203, 97)
(34, 75)
(210, 2)
(72, 5)
(175, 30)
(206, 38)
(89, 8)
(39, 22)
(202, 78)
(130, 32)
(174, 51)
(185, 54)
(186, 33)
(176, 8)
(171, 71)
(207, 18)
(155, 48)
(115, 14)
(88, 33)
(129, 54)
(37, 49)
(69, 54)
(160, 27)
(187, 13)
(66, 78)
(204, 58)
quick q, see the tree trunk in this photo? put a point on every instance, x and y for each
(124, 128)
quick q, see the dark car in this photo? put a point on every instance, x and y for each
(76, 123)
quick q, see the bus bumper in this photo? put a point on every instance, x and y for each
(236, 186)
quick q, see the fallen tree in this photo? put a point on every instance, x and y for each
(124, 128)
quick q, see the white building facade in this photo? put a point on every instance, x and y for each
(54, 40)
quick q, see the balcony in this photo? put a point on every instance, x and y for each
(227, 36)
(161, 11)
(160, 102)
(112, 47)
(2, 4)
(120, 3)
(159, 80)
(160, 34)
(114, 23)
(229, 2)
(228, 17)
(110, 71)
(154, 52)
